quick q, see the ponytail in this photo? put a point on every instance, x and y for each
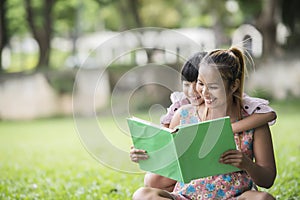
(240, 74)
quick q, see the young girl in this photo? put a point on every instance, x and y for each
(189, 74)
(220, 81)
(259, 110)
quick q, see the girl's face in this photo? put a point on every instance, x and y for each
(212, 88)
(189, 89)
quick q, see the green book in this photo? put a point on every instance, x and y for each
(189, 153)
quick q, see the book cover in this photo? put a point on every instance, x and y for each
(192, 152)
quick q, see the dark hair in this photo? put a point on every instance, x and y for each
(189, 71)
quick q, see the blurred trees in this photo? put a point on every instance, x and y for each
(44, 19)
(129, 14)
(3, 29)
(290, 16)
(39, 18)
(265, 16)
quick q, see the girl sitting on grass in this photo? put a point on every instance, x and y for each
(258, 110)
(220, 83)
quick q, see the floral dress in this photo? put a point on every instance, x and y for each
(225, 186)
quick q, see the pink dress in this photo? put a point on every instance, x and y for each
(225, 186)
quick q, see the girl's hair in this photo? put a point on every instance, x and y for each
(189, 71)
(231, 65)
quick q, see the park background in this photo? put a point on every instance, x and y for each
(62, 64)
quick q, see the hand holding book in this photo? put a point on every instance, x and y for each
(192, 152)
(138, 154)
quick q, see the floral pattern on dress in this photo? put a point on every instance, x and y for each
(225, 186)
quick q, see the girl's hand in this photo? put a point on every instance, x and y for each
(138, 154)
(236, 158)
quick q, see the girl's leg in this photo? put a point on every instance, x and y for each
(257, 195)
(147, 193)
(160, 182)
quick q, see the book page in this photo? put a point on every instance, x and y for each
(160, 147)
(200, 146)
(151, 124)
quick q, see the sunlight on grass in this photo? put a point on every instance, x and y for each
(287, 152)
(45, 159)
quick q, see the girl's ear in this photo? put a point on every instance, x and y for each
(235, 85)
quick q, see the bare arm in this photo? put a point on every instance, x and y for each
(253, 121)
(263, 170)
(176, 119)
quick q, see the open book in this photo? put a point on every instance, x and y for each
(192, 152)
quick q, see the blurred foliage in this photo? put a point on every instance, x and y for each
(110, 17)
(65, 14)
(251, 9)
(74, 14)
(22, 62)
(75, 18)
(58, 58)
(95, 15)
(16, 16)
(62, 81)
(163, 10)
(261, 93)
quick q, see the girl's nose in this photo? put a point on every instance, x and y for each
(191, 90)
(205, 91)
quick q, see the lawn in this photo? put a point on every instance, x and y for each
(45, 159)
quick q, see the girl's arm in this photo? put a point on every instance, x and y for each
(253, 121)
(176, 119)
(263, 170)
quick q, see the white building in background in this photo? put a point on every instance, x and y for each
(101, 48)
(249, 39)
(104, 48)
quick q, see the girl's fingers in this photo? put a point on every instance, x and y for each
(230, 161)
(137, 157)
(230, 152)
(138, 151)
(236, 156)
(138, 154)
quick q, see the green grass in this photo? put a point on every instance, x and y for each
(44, 159)
(286, 137)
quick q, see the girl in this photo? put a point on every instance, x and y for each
(220, 81)
(259, 110)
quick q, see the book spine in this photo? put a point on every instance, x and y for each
(180, 179)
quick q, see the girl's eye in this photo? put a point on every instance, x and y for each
(213, 88)
(200, 83)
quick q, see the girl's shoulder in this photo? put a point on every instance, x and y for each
(187, 108)
(188, 114)
(256, 105)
